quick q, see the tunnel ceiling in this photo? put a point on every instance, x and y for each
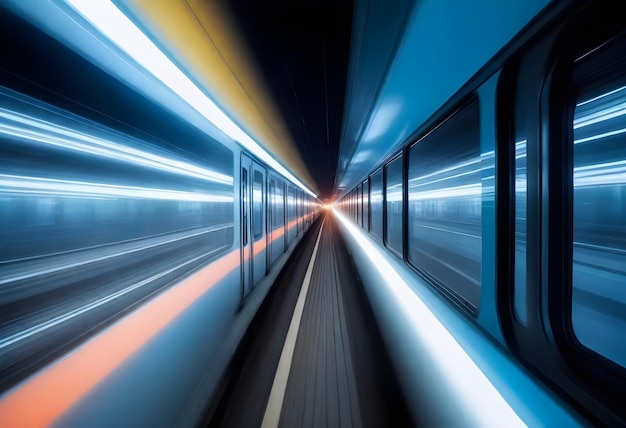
(302, 48)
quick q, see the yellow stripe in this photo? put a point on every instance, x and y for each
(202, 36)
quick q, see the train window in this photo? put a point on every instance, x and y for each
(599, 203)
(257, 204)
(393, 199)
(244, 205)
(521, 192)
(359, 206)
(376, 204)
(366, 205)
(278, 204)
(444, 197)
(291, 204)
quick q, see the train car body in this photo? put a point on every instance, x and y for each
(490, 238)
(480, 194)
(139, 257)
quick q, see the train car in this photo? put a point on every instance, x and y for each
(490, 237)
(132, 258)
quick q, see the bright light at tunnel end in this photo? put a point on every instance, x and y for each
(480, 397)
(119, 29)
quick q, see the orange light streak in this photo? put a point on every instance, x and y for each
(41, 399)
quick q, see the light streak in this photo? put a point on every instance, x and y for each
(40, 328)
(123, 33)
(449, 192)
(473, 389)
(599, 136)
(600, 116)
(21, 185)
(39, 131)
(614, 91)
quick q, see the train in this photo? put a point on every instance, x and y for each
(132, 262)
(490, 235)
(480, 194)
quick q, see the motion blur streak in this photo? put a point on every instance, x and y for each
(42, 132)
(123, 33)
(58, 320)
(259, 246)
(57, 388)
(455, 367)
(47, 186)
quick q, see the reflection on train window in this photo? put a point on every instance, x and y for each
(244, 206)
(521, 191)
(599, 210)
(444, 191)
(366, 205)
(85, 200)
(394, 204)
(291, 204)
(376, 204)
(277, 202)
(257, 204)
(359, 206)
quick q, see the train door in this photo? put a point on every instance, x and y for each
(259, 263)
(246, 239)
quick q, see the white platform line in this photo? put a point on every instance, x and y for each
(277, 395)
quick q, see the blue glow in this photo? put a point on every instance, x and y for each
(39, 131)
(13, 184)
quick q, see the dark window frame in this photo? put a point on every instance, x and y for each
(547, 345)
(451, 295)
(603, 376)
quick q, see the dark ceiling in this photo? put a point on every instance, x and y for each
(302, 47)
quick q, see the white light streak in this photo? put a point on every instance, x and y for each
(33, 273)
(520, 149)
(473, 389)
(449, 169)
(601, 116)
(599, 136)
(601, 96)
(42, 132)
(448, 177)
(21, 185)
(606, 174)
(123, 33)
(449, 192)
(24, 334)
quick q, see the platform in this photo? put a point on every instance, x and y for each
(338, 373)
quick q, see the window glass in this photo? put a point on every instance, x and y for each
(521, 191)
(445, 221)
(366, 205)
(394, 204)
(277, 201)
(599, 205)
(291, 204)
(359, 206)
(244, 205)
(257, 204)
(376, 204)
